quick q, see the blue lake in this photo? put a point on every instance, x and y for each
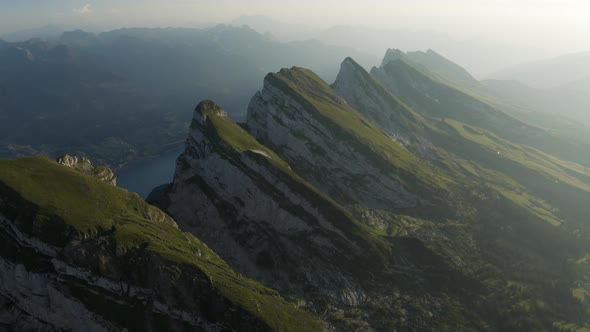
(144, 175)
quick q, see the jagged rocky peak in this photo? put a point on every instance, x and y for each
(84, 165)
(373, 101)
(207, 108)
(392, 54)
(350, 72)
(359, 89)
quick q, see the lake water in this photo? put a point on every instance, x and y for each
(144, 175)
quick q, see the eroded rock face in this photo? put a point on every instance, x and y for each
(374, 102)
(316, 152)
(261, 219)
(84, 165)
(35, 302)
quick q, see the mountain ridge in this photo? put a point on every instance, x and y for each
(390, 200)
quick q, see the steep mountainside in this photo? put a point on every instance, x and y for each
(81, 254)
(561, 111)
(438, 100)
(550, 189)
(435, 99)
(242, 197)
(459, 147)
(342, 153)
(456, 146)
(272, 225)
(386, 201)
(463, 229)
(365, 94)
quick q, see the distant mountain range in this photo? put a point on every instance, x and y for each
(556, 86)
(551, 73)
(43, 32)
(478, 54)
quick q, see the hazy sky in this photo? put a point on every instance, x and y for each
(562, 24)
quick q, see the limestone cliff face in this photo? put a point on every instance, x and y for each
(316, 149)
(265, 221)
(374, 102)
(84, 165)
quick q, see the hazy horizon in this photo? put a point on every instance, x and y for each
(513, 32)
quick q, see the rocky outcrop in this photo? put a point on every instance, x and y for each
(84, 165)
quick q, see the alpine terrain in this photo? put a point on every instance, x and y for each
(410, 197)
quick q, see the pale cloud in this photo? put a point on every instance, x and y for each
(87, 9)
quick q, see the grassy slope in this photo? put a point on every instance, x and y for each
(445, 101)
(526, 175)
(87, 205)
(460, 103)
(441, 68)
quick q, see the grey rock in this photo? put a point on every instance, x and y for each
(85, 166)
(313, 150)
